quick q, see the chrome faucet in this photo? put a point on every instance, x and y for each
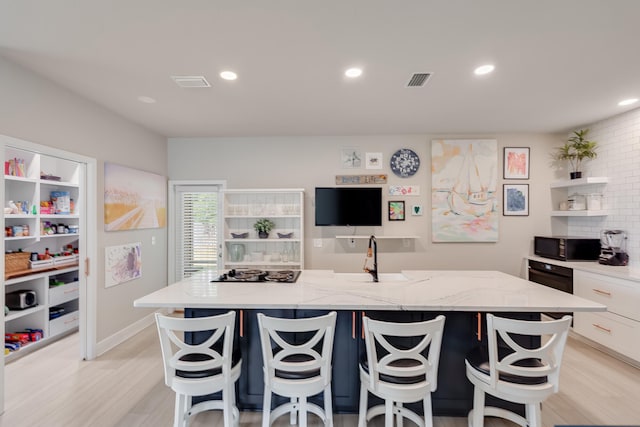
(374, 271)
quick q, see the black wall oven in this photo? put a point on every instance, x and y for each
(553, 276)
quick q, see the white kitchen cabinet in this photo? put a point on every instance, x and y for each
(619, 327)
(283, 249)
(41, 214)
(561, 190)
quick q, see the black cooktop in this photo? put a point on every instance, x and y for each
(284, 276)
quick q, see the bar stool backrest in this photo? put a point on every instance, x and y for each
(212, 355)
(400, 362)
(548, 355)
(285, 355)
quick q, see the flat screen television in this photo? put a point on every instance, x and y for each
(353, 206)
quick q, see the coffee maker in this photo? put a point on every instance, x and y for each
(613, 247)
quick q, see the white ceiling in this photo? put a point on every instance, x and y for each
(559, 63)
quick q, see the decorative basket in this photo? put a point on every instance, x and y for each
(16, 261)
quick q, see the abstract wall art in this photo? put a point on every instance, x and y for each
(463, 190)
(133, 199)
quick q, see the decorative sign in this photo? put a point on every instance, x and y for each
(404, 190)
(360, 179)
(416, 210)
(404, 163)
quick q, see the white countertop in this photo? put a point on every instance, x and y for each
(419, 291)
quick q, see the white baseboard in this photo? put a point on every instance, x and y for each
(126, 333)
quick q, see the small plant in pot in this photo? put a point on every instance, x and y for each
(263, 226)
(576, 149)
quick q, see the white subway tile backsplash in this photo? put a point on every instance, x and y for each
(619, 159)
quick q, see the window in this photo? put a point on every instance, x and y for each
(196, 231)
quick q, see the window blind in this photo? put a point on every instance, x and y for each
(198, 234)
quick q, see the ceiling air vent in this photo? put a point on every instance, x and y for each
(418, 79)
(191, 81)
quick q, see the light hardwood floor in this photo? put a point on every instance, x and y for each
(125, 388)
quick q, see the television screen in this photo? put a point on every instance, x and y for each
(348, 206)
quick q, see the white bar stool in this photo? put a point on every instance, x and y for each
(297, 368)
(200, 369)
(400, 373)
(513, 373)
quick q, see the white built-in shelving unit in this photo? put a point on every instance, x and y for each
(30, 178)
(283, 249)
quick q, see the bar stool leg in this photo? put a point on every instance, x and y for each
(362, 414)
(293, 415)
(428, 412)
(388, 413)
(328, 408)
(266, 409)
(478, 408)
(399, 417)
(303, 411)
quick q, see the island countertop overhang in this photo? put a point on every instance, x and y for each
(418, 290)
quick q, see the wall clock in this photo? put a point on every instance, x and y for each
(405, 162)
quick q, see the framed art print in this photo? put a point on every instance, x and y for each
(373, 160)
(516, 199)
(396, 211)
(351, 158)
(516, 163)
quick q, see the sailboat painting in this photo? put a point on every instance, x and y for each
(463, 190)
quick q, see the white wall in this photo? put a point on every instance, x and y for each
(619, 159)
(34, 109)
(307, 162)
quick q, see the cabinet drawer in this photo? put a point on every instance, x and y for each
(64, 323)
(619, 295)
(63, 293)
(615, 332)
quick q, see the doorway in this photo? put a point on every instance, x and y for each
(40, 175)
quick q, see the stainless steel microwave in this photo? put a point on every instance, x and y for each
(567, 248)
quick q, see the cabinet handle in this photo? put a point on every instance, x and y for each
(601, 292)
(362, 327)
(479, 330)
(353, 325)
(602, 328)
(241, 323)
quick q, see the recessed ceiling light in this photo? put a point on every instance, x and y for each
(628, 102)
(484, 69)
(353, 72)
(146, 99)
(228, 75)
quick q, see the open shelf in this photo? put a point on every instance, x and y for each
(580, 213)
(582, 181)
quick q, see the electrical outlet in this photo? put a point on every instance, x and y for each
(317, 243)
(153, 240)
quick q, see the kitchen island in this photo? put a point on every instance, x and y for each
(462, 296)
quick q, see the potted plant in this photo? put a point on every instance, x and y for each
(576, 149)
(263, 226)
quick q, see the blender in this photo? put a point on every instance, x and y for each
(613, 247)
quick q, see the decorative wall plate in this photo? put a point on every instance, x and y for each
(405, 162)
